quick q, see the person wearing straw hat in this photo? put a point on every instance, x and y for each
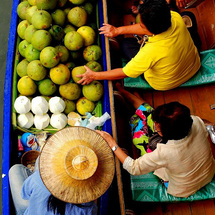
(76, 166)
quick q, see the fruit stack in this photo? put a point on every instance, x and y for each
(56, 39)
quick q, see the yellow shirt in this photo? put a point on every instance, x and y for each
(187, 164)
(168, 59)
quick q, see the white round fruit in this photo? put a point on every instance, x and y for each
(39, 105)
(25, 120)
(22, 104)
(56, 104)
(41, 122)
(58, 120)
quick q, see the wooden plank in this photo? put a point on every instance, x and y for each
(180, 208)
(209, 207)
(197, 208)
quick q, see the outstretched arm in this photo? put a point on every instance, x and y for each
(111, 31)
(90, 75)
(181, 3)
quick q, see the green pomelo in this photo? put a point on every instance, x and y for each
(46, 87)
(63, 53)
(32, 2)
(29, 32)
(36, 71)
(92, 52)
(26, 86)
(70, 91)
(73, 41)
(66, 10)
(58, 17)
(88, 34)
(57, 32)
(77, 16)
(31, 53)
(22, 47)
(41, 19)
(61, 3)
(69, 28)
(137, 19)
(21, 68)
(79, 70)
(41, 39)
(77, 2)
(83, 105)
(49, 57)
(94, 65)
(70, 106)
(93, 91)
(22, 8)
(22, 26)
(60, 74)
(46, 4)
(88, 7)
(70, 65)
(29, 13)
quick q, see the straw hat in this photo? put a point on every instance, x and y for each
(76, 165)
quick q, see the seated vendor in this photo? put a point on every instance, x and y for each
(184, 158)
(167, 57)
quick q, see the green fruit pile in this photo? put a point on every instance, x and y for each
(56, 41)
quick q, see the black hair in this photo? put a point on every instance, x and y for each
(174, 119)
(56, 205)
(155, 15)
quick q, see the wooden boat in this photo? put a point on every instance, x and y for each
(9, 132)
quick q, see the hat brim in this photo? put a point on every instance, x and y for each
(59, 182)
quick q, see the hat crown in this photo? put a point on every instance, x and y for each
(80, 162)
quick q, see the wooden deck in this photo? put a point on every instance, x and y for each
(198, 99)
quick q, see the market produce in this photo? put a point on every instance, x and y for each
(77, 71)
(31, 53)
(94, 65)
(56, 104)
(29, 13)
(70, 106)
(39, 105)
(46, 4)
(58, 17)
(77, 16)
(25, 120)
(22, 47)
(41, 121)
(73, 41)
(22, 104)
(60, 74)
(84, 105)
(49, 57)
(41, 39)
(36, 71)
(92, 52)
(93, 91)
(22, 68)
(58, 120)
(46, 87)
(22, 8)
(70, 91)
(88, 34)
(56, 39)
(26, 86)
(74, 119)
(29, 33)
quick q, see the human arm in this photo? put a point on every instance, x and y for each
(111, 142)
(111, 31)
(89, 75)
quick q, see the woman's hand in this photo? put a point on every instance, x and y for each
(110, 140)
(108, 30)
(87, 77)
(181, 3)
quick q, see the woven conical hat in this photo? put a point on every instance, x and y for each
(76, 165)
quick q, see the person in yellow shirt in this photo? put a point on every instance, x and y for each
(167, 57)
